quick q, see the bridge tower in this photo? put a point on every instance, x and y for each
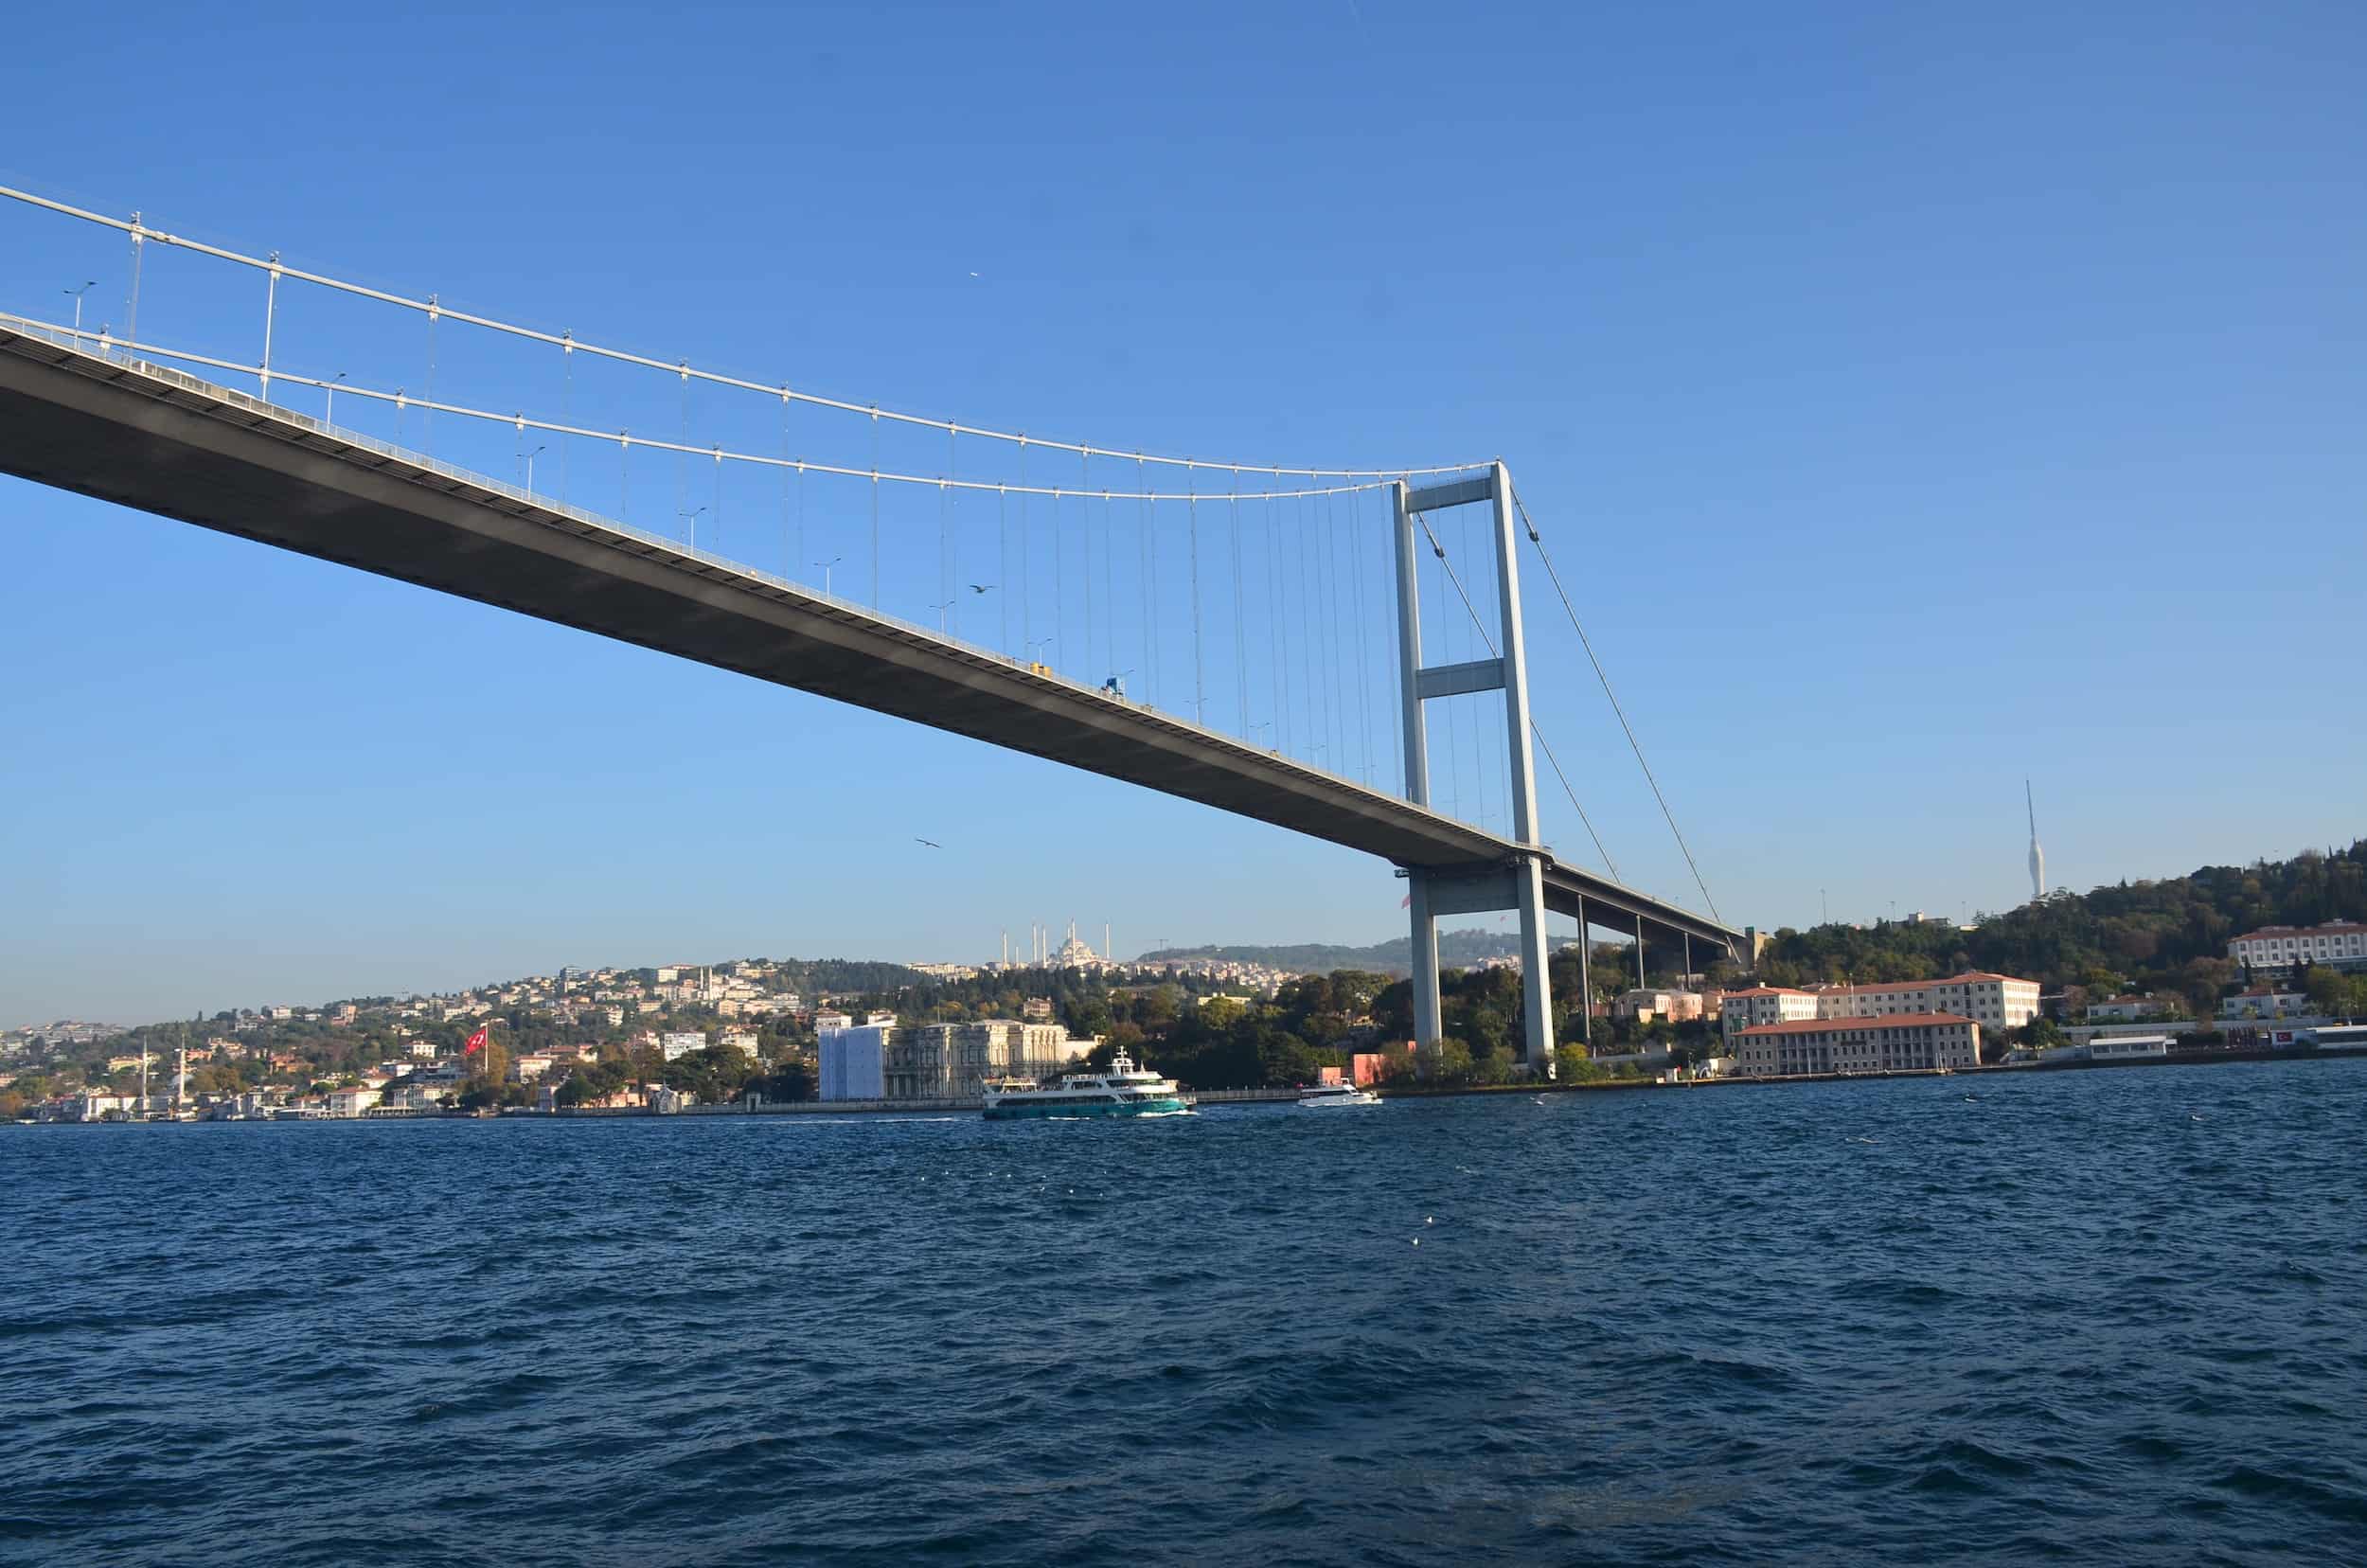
(1518, 882)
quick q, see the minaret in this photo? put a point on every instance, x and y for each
(2038, 856)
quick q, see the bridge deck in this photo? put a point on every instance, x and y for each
(153, 439)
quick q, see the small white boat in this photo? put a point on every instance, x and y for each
(1325, 1095)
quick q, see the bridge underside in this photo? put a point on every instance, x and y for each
(181, 447)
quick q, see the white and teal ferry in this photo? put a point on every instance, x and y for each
(1125, 1090)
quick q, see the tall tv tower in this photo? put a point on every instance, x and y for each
(2038, 856)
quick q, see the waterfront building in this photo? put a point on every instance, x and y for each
(2146, 1047)
(1884, 1043)
(954, 1060)
(854, 1060)
(2122, 1009)
(1676, 1007)
(2261, 1002)
(1759, 1005)
(2340, 943)
(1993, 1001)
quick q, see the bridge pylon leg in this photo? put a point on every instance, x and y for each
(1425, 959)
(1520, 884)
(1537, 990)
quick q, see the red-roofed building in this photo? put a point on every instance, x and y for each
(1885, 1043)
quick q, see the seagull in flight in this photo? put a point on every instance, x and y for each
(980, 587)
(931, 842)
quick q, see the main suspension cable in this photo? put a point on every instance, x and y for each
(434, 309)
(1440, 551)
(1634, 745)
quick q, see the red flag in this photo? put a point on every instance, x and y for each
(477, 1042)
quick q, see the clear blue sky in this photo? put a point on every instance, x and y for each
(1918, 401)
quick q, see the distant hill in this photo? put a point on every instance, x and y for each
(1393, 957)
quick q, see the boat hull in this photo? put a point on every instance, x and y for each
(1034, 1110)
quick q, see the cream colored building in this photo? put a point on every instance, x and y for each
(1887, 1042)
(1759, 1004)
(2340, 943)
(1676, 1007)
(953, 1060)
(1992, 1000)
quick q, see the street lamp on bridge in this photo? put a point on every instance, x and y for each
(88, 285)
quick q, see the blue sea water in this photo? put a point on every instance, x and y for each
(2088, 1317)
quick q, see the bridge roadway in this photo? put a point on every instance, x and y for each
(157, 439)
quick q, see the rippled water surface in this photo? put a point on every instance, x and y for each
(2097, 1317)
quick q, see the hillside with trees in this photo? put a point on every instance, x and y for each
(2168, 936)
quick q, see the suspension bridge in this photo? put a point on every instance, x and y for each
(1342, 607)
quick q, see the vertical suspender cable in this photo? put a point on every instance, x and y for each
(427, 414)
(1633, 744)
(1335, 665)
(1309, 639)
(1357, 556)
(681, 482)
(875, 508)
(1396, 684)
(132, 300)
(1109, 586)
(1479, 746)
(1277, 637)
(1144, 515)
(1446, 632)
(1200, 670)
(1537, 733)
(1241, 629)
(1085, 527)
(1026, 576)
(1311, 553)
(1002, 560)
(1058, 579)
(567, 414)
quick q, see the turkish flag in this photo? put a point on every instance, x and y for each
(477, 1042)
